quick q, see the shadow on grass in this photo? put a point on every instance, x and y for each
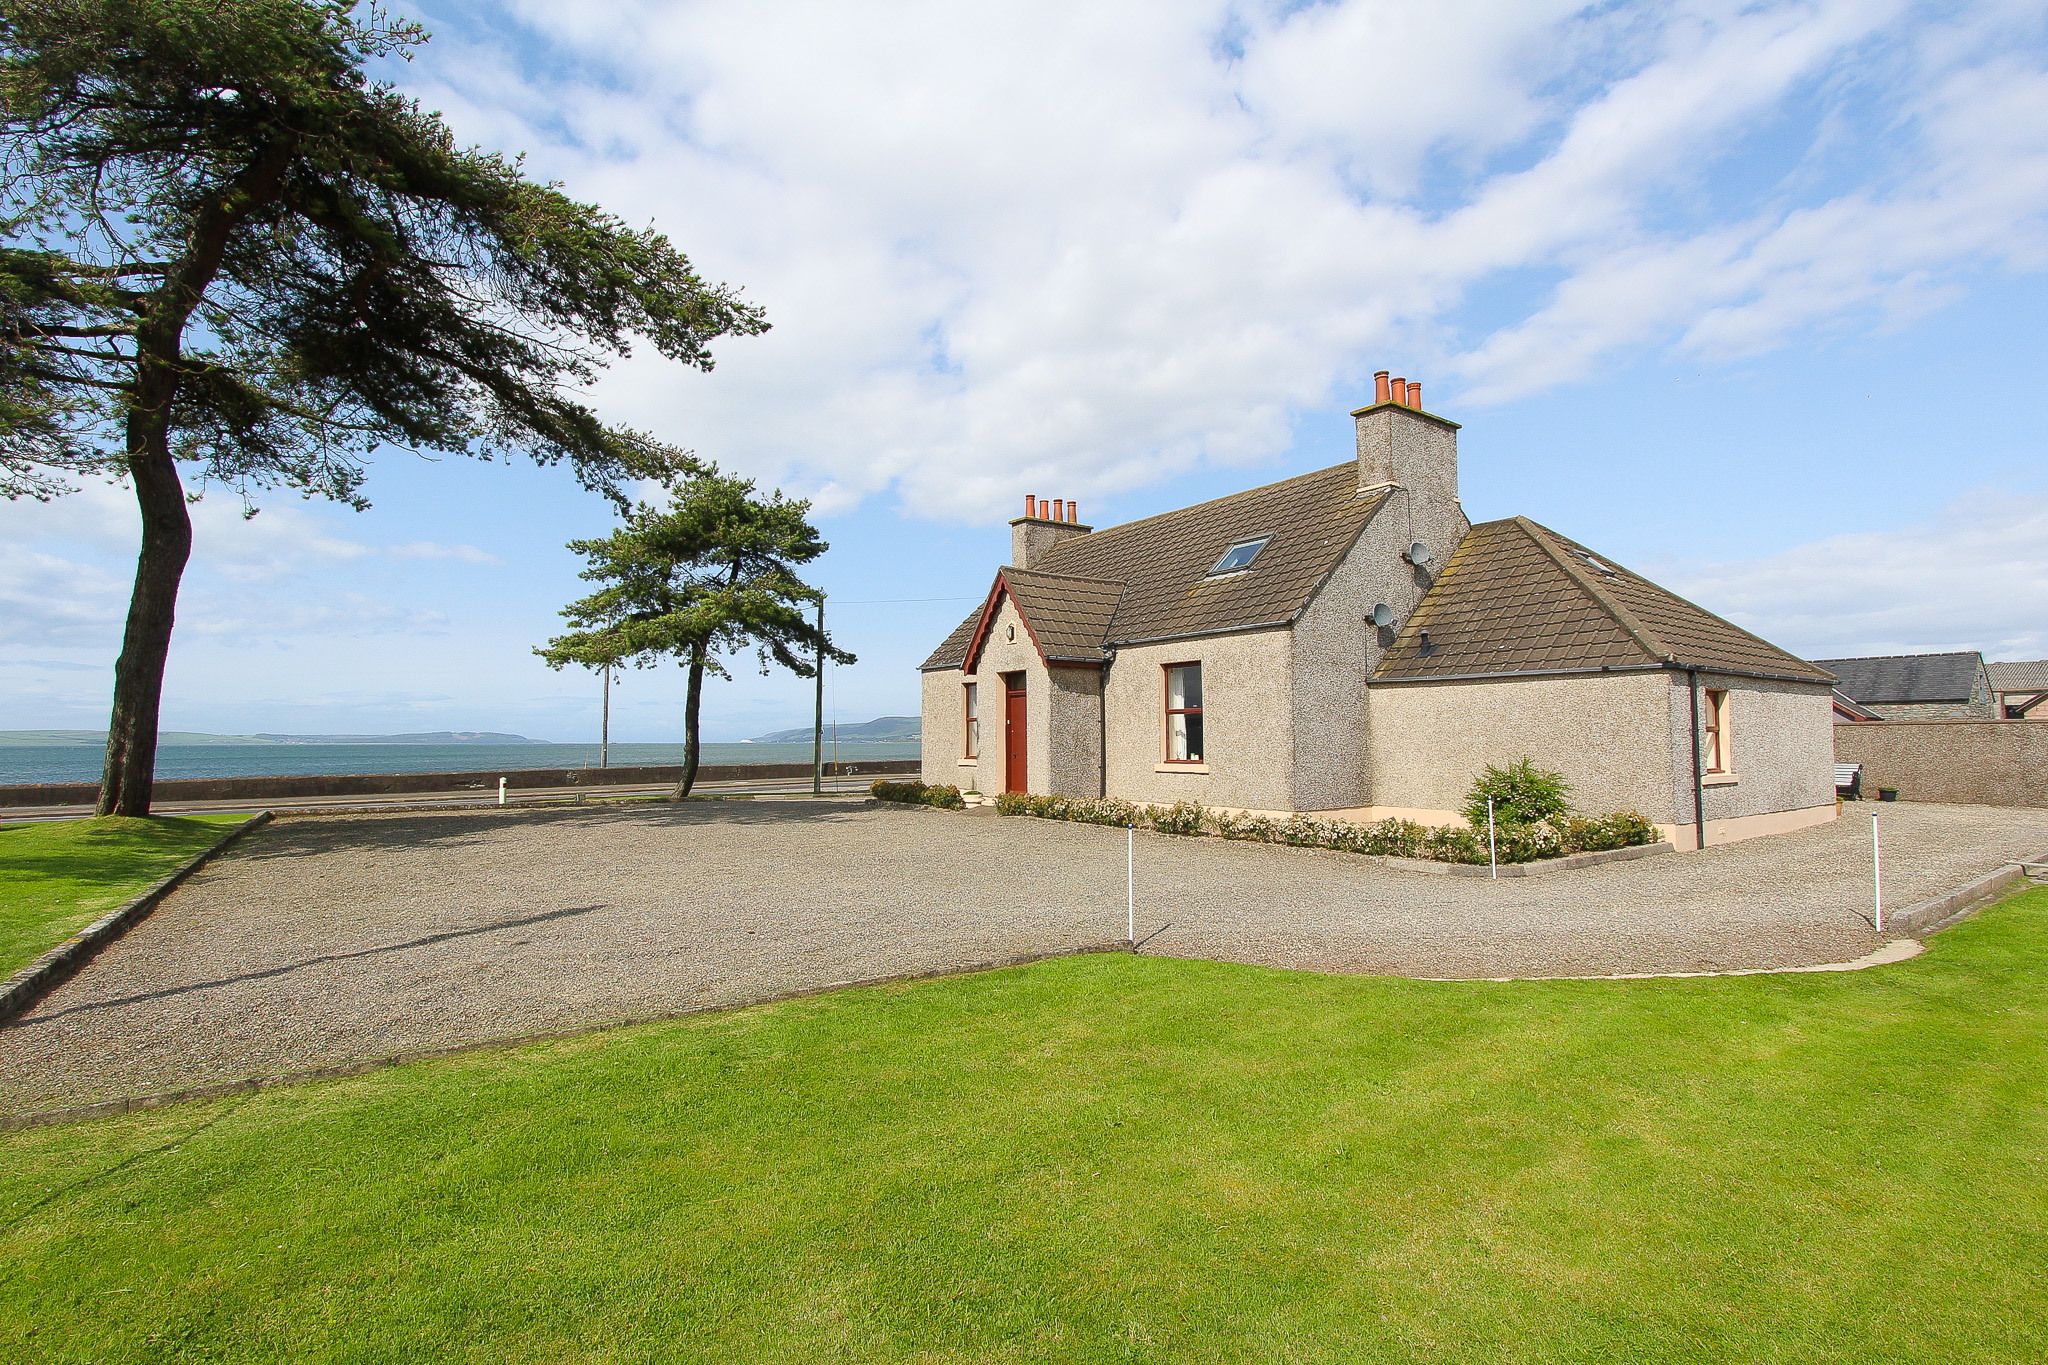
(101, 856)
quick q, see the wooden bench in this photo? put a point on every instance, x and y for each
(1849, 781)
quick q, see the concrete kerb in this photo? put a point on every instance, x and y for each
(1535, 869)
(53, 968)
(134, 1104)
(1930, 916)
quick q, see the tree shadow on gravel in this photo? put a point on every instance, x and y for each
(298, 836)
(267, 973)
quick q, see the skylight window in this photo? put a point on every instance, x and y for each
(1239, 556)
(1597, 565)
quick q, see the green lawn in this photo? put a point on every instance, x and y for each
(1109, 1158)
(58, 877)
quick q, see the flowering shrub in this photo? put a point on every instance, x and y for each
(1182, 817)
(1623, 829)
(1515, 842)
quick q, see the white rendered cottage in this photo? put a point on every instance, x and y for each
(1346, 642)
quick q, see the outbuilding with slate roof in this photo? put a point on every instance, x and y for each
(1952, 686)
(1347, 642)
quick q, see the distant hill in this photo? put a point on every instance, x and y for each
(897, 728)
(168, 738)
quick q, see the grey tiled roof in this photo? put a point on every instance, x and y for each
(1908, 677)
(1159, 567)
(1067, 616)
(1516, 597)
(2030, 675)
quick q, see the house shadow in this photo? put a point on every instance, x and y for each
(298, 836)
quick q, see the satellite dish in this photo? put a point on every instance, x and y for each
(1418, 554)
(1382, 615)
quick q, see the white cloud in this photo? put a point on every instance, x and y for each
(1075, 248)
(1973, 577)
(427, 549)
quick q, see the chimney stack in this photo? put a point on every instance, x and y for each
(1045, 523)
(1402, 445)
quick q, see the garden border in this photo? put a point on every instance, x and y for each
(11, 1123)
(55, 967)
(1533, 869)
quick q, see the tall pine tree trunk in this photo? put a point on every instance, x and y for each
(139, 672)
(166, 526)
(690, 700)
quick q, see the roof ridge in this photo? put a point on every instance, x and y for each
(1935, 654)
(1198, 506)
(1637, 631)
(1070, 577)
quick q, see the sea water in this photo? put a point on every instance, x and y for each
(82, 762)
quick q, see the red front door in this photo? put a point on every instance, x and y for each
(1014, 777)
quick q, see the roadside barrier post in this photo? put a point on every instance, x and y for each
(1492, 853)
(501, 791)
(1876, 875)
(1131, 884)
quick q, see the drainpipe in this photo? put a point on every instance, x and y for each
(1699, 798)
(1102, 716)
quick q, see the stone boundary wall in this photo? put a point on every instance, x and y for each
(382, 784)
(1968, 762)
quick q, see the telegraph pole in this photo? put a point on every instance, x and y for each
(604, 741)
(818, 720)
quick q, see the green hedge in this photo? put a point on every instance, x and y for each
(1515, 843)
(917, 794)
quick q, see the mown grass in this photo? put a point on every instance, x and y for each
(57, 877)
(1109, 1158)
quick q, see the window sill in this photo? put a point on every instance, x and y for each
(970, 763)
(1180, 767)
(1718, 779)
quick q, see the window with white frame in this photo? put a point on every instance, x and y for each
(1714, 749)
(973, 741)
(1184, 713)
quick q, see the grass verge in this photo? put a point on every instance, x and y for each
(1109, 1158)
(58, 876)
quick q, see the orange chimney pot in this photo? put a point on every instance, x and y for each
(1379, 387)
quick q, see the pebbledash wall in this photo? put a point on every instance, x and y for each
(1336, 650)
(1429, 738)
(1969, 762)
(1247, 725)
(1781, 753)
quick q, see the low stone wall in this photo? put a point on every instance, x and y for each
(1970, 762)
(383, 784)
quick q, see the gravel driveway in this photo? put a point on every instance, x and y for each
(319, 941)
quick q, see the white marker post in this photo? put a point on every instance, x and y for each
(1492, 854)
(1876, 874)
(1131, 884)
(501, 791)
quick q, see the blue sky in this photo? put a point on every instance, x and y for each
(1747, 296)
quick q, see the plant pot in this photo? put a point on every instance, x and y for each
(1887, 793)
